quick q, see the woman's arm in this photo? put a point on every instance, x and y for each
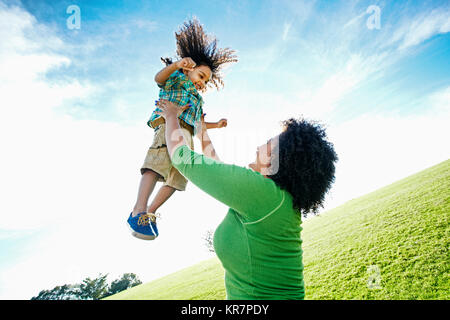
(246, 191)
(174, 135)
(249, 193)
(207, 146)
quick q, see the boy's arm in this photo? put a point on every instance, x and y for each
(162, 76)
(214, 125)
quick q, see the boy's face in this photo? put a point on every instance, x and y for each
(199, 76)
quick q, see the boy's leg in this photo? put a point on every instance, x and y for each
(163, 194)
(146, 186)
(175, 181)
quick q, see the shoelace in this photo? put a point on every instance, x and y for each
(144, 218)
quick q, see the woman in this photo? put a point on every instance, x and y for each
(259, 242)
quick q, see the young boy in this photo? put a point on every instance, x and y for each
(180, 82)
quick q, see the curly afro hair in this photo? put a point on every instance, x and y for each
(193, 42)
(306, 164)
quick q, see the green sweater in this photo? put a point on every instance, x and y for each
(258, 242)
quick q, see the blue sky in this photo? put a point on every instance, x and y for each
(131, 36)
(75, 105)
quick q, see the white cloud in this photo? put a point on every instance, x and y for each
(425, 27)
(78, 179)
(353, 21)
(376, 150)
(287, 26)
(301, 10)
(346, 69)
(74, 179)
(412, 31)
(148, 26)
(440, 101)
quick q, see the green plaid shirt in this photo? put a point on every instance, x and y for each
(180, 89)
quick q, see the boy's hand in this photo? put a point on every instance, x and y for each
(222, 123)
(186, 64)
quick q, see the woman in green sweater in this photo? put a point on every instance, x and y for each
(259, 242)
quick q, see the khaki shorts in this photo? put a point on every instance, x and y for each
(158, 159)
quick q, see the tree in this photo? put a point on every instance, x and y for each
(65, 292)
(209, 237)
(128, 280)
(94, 288)
(89, 289)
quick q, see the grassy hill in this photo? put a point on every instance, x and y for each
(390, 244)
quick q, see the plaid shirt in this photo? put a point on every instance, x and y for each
(180, 89)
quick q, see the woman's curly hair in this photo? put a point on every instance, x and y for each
(193, 42)
(306, 164)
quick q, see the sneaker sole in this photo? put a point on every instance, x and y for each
(140, 235)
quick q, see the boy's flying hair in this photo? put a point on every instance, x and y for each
(193, 42)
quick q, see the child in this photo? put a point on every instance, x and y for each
(180, 82)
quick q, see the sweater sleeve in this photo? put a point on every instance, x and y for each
(247, 192)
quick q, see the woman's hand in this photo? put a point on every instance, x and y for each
(170, 109)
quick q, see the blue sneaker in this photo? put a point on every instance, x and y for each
(143, 226)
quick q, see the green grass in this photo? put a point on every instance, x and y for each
(400, 230)
(203, 281)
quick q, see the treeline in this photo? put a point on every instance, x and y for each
(90, 289)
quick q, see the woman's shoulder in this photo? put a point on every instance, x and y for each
(263, 185)
(270, 200)
(261, 179)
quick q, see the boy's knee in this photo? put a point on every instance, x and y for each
(150, 172)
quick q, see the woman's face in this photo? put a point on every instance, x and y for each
(264, 152)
